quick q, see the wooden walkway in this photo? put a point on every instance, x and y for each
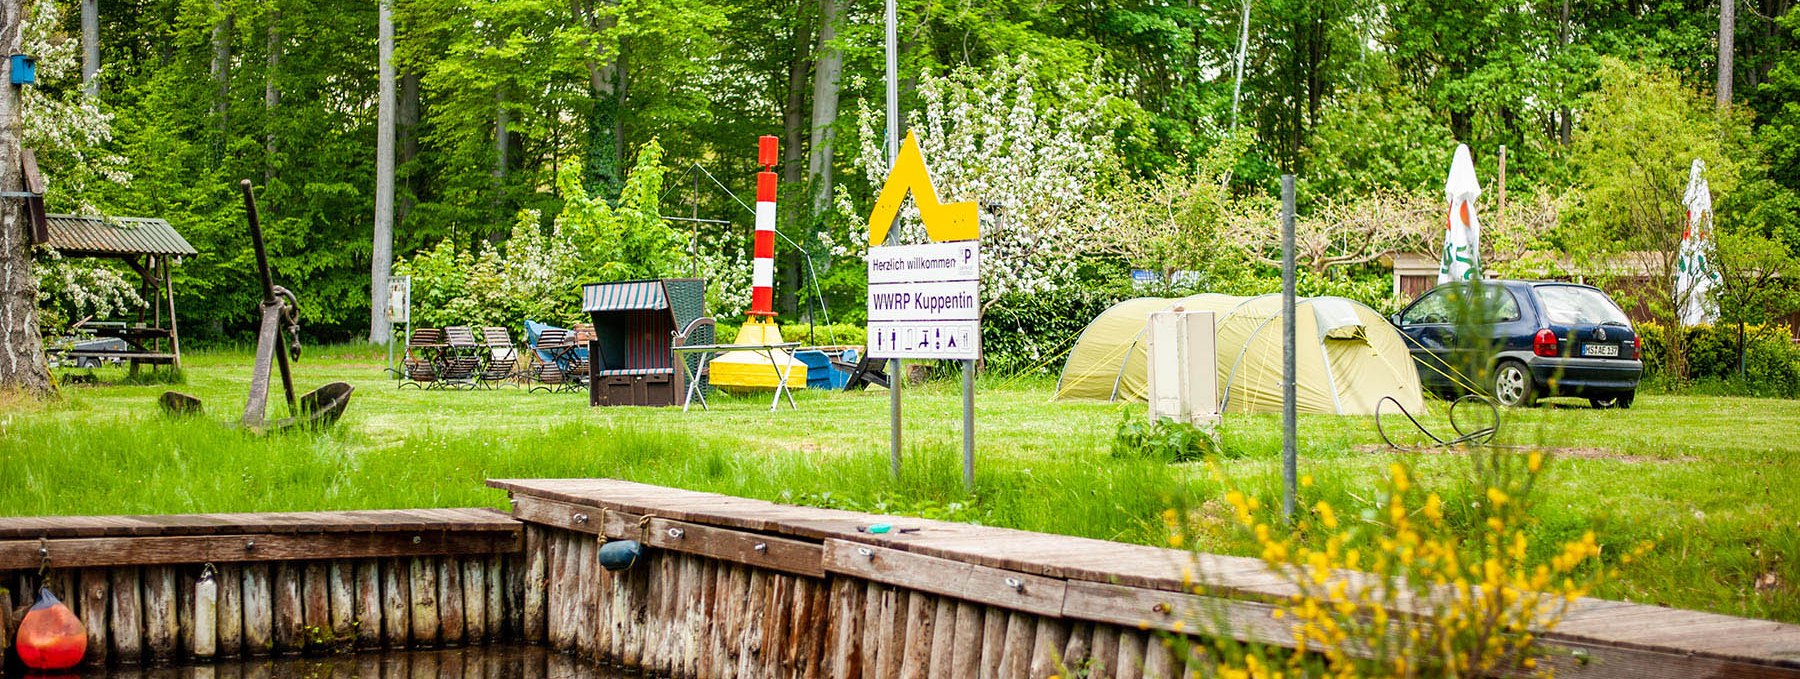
(1096, 581)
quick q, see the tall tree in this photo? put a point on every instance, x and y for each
(22, 364)
(381, 256)
(828, 68)
(1727, 34)
(90, 46)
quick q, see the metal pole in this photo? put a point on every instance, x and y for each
(895, 376)
(969, 426)
(1289, 453)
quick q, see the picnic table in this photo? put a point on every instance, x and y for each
(707, 352)
(137, 337)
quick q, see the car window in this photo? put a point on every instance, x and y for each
(1445, 304)
(1576, 305)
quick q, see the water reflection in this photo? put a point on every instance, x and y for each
(480, 662)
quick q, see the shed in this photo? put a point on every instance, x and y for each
(631, 358)
(148, 246)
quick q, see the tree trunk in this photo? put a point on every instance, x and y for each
(1727, 33)
(381, 256)
(271, 95)
(22, 365)
(407, 114)
(605, 147)
(221, 67)
(793, 132)
(90, 46)
(828, 68)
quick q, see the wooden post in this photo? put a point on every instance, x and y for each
(95, 590)
(915, 647)
(965, 659)
(497, 586)
(186, 582)
(174, 330)
(1104, 649)
(315, 600)
(367, 615)
(556, 598)
(943, 639)
(1131, 653)
(161, 625)
(811, 629)
(1047, 651)
(584, 563)
(993, 641)
(1159, 658)
(341, 576)
(127, 632)
(290, 610)
(259, 610)
(451, 622)
(396, 603)
(1021, 635)
(424, 601)
(535, 581)
(474, 593)
(231, 611)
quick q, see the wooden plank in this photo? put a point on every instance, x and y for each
(556, 599)
(873, 638)
(186, 581)
(1159, 658)
(1131, 653)
(396, 603)
(162, 628)
(762, 551)
(1104, 652)
(366, 610)
(993, 641)
(155, 551)
(497, 587)
(815, 629)
(561, 515)
(965, 656)
(980, 584)
(289, 608)
(845, 628)
(96, 590)
(1015, 650)
(893, 633)
(127, 633)
(1075, 653)
(583, 562)
(231, 610)
(360, 521)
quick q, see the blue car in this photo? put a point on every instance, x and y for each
(1520, 341)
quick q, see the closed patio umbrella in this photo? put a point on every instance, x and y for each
(1695, 274)
(1461, 256)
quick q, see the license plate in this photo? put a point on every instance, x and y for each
(1611, 350)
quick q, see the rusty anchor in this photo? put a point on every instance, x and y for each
(317, 409)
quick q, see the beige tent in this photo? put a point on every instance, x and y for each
(1348, 355)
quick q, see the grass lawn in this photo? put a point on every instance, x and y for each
(1714, 481)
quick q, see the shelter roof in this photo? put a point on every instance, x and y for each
(115, 236)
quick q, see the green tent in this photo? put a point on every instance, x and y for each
(1348, 356)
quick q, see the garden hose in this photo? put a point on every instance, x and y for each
(1482, 436)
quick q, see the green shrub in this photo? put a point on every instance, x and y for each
(1164, 439)
(836, 334)
(1032, 333)
(1771, 360)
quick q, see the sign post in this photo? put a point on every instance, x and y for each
(925, 300)
(399, 310)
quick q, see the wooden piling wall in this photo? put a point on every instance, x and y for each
(730, 587)
(158, 589)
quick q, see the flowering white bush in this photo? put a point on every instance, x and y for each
(1034, 160)
(68, 131)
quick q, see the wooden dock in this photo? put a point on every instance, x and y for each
(728, 587)
(735, 583)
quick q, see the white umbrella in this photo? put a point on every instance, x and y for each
(1461, 258)
(1694, 272)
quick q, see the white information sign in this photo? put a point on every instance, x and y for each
(399, 306)
(925, 301)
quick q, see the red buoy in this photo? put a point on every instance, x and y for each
(50, 636)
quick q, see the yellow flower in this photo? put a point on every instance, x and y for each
(1497, 497)
(1399, 473)
(1306, 481)
(1535, 461)
(1434, 508)
(1326, 516)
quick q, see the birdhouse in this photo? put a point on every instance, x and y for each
(24, 69)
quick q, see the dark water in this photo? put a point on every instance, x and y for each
(479, 662)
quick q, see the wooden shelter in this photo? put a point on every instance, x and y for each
(148, 246)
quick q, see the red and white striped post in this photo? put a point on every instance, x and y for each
(762, 271)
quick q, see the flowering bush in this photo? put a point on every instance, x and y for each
(1415, 586)
(1034, 160)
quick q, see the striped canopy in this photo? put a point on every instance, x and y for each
(623, 296)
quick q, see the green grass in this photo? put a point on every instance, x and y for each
(1712, 480)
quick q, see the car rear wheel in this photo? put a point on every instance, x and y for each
(1513, 386)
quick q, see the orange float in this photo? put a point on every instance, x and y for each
(50, 636)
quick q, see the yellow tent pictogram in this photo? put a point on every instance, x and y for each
(955, 221)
